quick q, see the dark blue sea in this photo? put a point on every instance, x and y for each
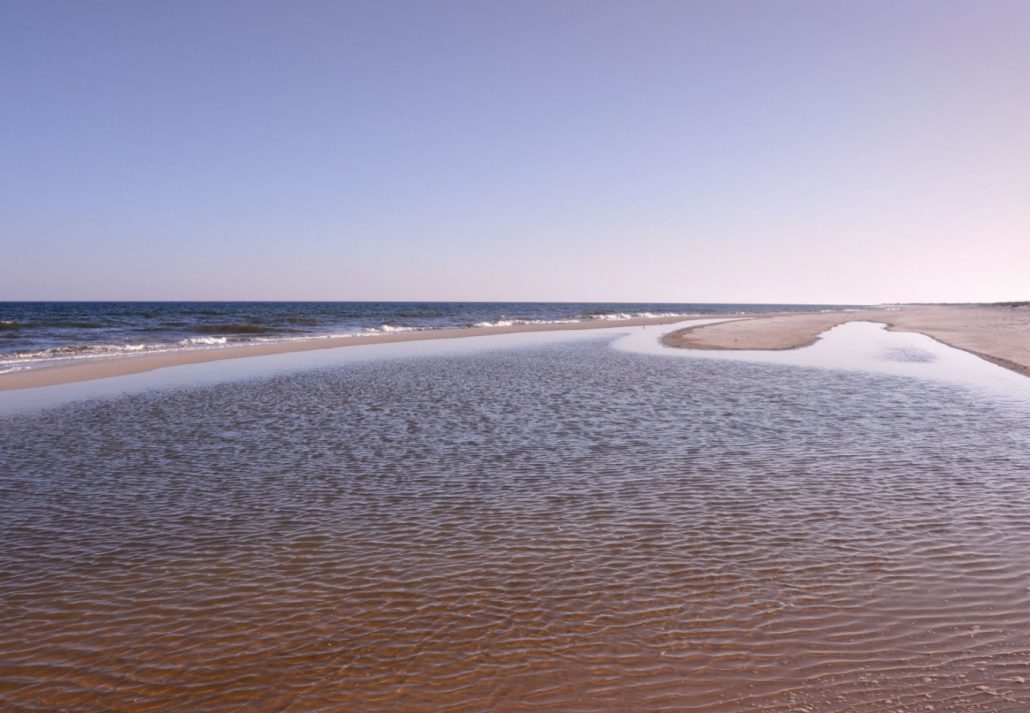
(33, 333)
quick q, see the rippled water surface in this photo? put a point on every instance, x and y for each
(562, 528)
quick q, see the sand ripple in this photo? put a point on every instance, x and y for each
(565, 529)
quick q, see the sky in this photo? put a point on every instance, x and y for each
(723, 151)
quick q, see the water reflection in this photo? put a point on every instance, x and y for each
(867, 347)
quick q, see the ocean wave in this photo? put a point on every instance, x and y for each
(303, 337)
(387, 328)
(518, 322)
(418, 314)
(613, 316)
(70, 351)
(76, 352)
(211, 341)
(57, 324)
(588, 317)
(235, 328)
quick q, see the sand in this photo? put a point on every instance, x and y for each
(778, 331)
(101, 368)
(998, 333)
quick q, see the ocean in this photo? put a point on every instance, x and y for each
(36, 333)
(544, 521)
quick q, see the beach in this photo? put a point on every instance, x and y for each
(998, 333)
(102, 368)
(402, 357)
(553, 524)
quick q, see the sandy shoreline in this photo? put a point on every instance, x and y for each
(999, 334)
(102, 368)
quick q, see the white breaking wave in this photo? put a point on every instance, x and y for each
(387, 328)
(210, 341)
(639, 315)
(611, 317)
(520, 322)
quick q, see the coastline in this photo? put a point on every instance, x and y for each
(999, 334)
(102, 368)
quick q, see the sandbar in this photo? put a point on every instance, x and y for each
(998, 333)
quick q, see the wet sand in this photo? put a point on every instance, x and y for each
(88, 370)
(1000, 334)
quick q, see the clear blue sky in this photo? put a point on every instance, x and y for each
(682, 151)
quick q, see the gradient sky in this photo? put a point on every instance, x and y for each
(858, 151)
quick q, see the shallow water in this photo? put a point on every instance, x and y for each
(861, 346)
(559, 526)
